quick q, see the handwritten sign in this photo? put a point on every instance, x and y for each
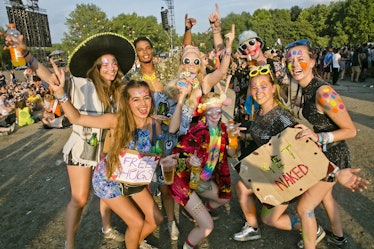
(135, 168)
(284, 168)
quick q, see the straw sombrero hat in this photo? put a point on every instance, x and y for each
(84, 55)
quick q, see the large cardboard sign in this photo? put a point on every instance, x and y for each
(135, 168)
(284, 168)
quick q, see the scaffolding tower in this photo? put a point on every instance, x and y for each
(170, 4)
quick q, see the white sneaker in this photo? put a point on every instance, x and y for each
(320, 235)
(173, 230)
(145, 245)
(114, 235)
(247, 233)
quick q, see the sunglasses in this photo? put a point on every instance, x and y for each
(298, 43)
(245, 45)
(211, 112)
(188, 61)
(262, 70)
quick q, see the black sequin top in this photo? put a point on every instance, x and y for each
(270, 124)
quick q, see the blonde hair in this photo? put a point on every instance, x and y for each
(126, 126)
(192, 49)
(209, 99)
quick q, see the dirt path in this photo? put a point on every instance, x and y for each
(34, 191)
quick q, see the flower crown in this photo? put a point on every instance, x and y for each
(201, 108)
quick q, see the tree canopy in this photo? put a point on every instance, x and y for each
(340, 23)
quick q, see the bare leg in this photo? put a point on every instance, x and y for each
(305, 208)
(247, 203)
(80, 180)
(167, 202)
(204, 223)
(106, 215)
(333, 213)
(152, 214)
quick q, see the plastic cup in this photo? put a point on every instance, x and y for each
(168, 173)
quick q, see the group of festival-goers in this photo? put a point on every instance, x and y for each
(181, 100)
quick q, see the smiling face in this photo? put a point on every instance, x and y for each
(213, 114)
(108, 68)
(140, 102)
(251, 47)
(262, 89)
(300, 64)
(191, 62)
(144, 51)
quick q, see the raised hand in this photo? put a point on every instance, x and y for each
(57, 80)
(215, 19)
(348, 178)
(230, 37)
(13, 42)
(189, 22)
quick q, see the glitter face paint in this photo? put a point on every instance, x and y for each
(330, 100)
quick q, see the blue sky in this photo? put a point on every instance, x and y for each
(58, 10)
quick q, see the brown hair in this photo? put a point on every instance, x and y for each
(104, 91)
(126, 126)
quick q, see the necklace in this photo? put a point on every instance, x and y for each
(150, 78)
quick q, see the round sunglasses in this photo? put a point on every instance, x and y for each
(187, 60)
(211, 112)
(246, 44)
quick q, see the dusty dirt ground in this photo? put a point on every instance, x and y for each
(34, 191)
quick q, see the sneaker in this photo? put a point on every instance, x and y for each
(114, 235)
(214, 214)
(12, 127)
(173, 230)
(145, 245)
(247, 233)
(188, 216)
(320, 235)
(332, 239)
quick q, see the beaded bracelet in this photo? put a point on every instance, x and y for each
(325, 138)
(63, 99)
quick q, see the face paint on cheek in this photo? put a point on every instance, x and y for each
(303, 65)
(289, 66)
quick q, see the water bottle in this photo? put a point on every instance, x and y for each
(232, 132)
(93, 139)
(158, 146)
(15, 52)
(195, 165)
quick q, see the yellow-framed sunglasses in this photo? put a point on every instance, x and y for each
(263, 70)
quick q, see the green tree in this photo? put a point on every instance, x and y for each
(295, 12)
(84, 21)
(359, 21)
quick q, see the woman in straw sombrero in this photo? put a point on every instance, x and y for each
(96, 68)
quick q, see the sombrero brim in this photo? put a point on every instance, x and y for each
(85, 54)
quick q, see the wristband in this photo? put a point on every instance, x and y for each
(28, 64)
(216, 30)
(27, 53)
(63, 99)
(332, 176)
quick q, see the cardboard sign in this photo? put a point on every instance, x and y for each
(135, 168)
(284, 168)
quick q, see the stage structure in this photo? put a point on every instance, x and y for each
(31, 21)
(168, 20)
